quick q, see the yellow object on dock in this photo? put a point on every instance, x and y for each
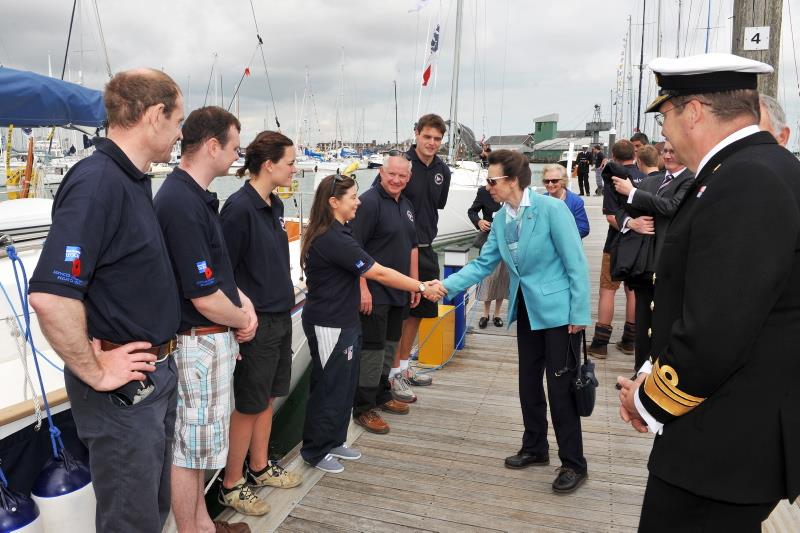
(437, 336)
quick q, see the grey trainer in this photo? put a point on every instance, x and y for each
(346, 452)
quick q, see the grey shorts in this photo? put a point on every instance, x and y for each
(265, 369)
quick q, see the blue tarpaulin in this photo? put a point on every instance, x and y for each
(32, 100)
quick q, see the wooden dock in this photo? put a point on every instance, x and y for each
(440, 468)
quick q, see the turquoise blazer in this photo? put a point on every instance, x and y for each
(553, 272)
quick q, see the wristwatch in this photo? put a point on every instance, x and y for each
(421, 288)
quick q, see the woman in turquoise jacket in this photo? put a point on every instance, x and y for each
(535, 235)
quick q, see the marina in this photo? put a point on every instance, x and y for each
(440, 468)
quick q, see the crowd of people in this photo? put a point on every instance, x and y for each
(168, 310)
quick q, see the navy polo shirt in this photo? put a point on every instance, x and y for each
(105, 248)
(385, 229)
(334, 263)
(193, 233)
(427, 190)
(259, 249)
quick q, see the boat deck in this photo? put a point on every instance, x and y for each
(441, 467)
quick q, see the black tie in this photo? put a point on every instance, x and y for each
(666, 181)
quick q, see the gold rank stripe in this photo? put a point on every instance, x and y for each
(661, 387)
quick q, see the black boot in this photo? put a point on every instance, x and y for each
(627, 344)
(599, 346)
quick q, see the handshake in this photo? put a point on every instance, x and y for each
(434, 290)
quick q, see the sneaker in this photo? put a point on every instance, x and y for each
(242, 498)
(401, 391)
(372, 422)
(415, 378)
(274, 475)
(346, 452)
(330, 465)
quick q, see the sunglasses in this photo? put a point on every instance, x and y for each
(491, 182)
(550, 182)
(337, 178)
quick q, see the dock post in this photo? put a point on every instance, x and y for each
(454, 259)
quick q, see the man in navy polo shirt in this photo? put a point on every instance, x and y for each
(427, 190)
(384, 226)
(211, 307)
(106, 300)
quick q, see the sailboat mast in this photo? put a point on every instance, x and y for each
(396, 128)
(641, 71)
(678, 33)
(452, 137)
(752, 15)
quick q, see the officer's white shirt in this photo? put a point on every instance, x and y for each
(654, 425)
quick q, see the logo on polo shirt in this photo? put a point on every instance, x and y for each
(203, 268)
(349, 352)
(410, 215)
(283, 223)
(73, 255)
(438, 179)
(360, 264)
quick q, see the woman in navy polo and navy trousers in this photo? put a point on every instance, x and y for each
(535, 235)
(333, 262)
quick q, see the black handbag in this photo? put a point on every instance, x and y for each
(585, 383)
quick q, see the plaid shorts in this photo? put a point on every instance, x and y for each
(205, 372)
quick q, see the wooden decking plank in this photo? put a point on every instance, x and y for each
(349, 522)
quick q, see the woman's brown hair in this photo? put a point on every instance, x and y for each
(321, 216)
(515, 165)
(267, 146)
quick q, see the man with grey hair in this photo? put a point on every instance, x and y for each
(384, 226)
(721, 381)
(773, 119)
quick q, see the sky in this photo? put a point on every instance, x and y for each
(520, 59)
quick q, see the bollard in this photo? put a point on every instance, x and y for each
(454, 259)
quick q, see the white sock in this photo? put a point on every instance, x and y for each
(394, 372)
(403, 364)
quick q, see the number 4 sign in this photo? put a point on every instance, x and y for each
(756, 38)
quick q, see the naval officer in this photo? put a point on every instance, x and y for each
(720, 388)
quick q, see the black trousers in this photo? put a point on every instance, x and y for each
(380, 332)
(540, 350)
(330, 399)
(644, 319)
(583, 184)
(668, 508)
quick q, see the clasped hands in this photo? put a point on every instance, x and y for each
(434, 290)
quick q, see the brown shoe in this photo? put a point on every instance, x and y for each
(626, 347)
(600, 351)
(393, 406)
(372, 422)
(227, 527)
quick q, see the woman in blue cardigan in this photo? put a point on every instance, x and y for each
(536, 236)
(554, 178)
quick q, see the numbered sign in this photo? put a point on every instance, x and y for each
(756, 38)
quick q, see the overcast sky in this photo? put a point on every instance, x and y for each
(519, 59)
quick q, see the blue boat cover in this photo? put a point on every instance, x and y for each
(30, 100)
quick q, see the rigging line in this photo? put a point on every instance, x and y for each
(688, 27)
(264, 61)
(794, 47)
(697, 26)
(210, 77)
(485, 66)
(475, 63)
(102, 38)
(69, 37)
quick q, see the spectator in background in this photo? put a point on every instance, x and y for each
(582, 162)
(495, 287)
(554, 178)
(773, 119)
(639, 139)
(599, 163)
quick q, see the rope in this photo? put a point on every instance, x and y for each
(22, 288)
(264, 61)
(22, 350)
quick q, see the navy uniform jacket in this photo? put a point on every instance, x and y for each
(725, 330)
(661, 204)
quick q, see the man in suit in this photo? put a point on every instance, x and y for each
(648, 212)
(720, 389)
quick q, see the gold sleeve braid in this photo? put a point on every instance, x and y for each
(661, 386)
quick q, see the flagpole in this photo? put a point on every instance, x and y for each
(424, 65)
